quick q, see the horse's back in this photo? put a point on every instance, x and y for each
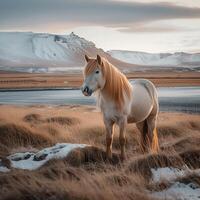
(148, 85)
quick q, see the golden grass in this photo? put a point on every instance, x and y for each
(33, 118)
(86, 174)
(63, 120)
(36, 80)
(13, 135)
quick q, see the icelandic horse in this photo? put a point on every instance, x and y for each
(122, 102)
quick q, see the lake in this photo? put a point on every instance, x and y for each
(184, 99)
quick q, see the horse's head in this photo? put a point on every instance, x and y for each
(93, 76)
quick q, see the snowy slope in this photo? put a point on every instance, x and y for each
(179, 59)
(42, 52)
(42, 49)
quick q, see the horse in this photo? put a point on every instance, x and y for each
(122, 102)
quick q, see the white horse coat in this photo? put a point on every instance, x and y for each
(122, 103)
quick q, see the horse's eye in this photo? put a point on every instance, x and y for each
(97, 72)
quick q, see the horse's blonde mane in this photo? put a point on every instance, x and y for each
(117, 86)
(91, 65)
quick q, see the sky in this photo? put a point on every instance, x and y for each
(136, 25)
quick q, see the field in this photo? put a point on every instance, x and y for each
(85, 173)
(10, 80)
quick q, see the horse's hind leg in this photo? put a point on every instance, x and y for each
(143, 128)
(152, 136)
(148, 138)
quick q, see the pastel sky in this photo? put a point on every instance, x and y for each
(137, 25)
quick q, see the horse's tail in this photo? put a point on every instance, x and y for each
(149, 139)
(155, 144)
(144, 141)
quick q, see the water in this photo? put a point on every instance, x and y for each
(184, 99)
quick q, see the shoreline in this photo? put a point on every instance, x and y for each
(170, 98)
(34, 89)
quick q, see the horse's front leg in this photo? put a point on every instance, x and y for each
(122, 139)
(109, 137)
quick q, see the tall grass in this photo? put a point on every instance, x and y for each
(86, 174)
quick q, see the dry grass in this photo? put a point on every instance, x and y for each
(13, 135)
(86, 174)
(63, 120)
(36, 80)
(33, 118)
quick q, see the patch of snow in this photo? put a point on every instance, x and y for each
(171, 173)
(166, 173)
(32, 161)
(4, 169)
(179, 191)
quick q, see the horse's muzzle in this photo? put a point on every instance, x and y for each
(86, 91)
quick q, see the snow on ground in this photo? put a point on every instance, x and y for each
(166, 174)
(170, 173)
(4, 169)
(177, 190)
(32, 161)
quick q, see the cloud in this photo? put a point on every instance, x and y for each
(42, 14)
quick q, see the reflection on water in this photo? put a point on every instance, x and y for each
(186, 99)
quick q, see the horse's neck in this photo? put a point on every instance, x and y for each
(104, 103)
(102, 98)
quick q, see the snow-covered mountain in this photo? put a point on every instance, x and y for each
(43, 52)
(40, 52)
(178, 59)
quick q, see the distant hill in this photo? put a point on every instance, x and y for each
(43, 52)
(40, 52)
(158, 60)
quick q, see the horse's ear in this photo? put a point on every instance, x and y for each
(87, 58)
(99, 60)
